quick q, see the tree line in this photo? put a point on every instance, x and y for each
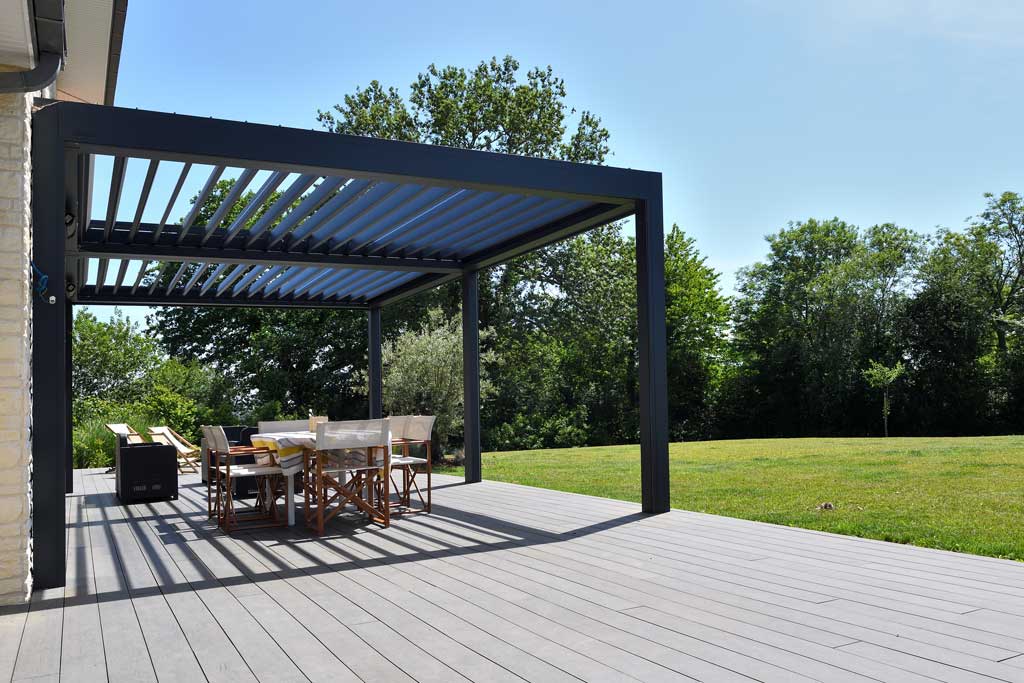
(836, 323)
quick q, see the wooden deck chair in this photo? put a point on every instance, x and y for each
(408, 431)
(220, 500)
(187, 452)
(350, 465)
(132, 436)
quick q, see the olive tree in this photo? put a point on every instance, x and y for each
(423, 373)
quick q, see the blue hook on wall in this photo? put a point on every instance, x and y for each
(42, 280)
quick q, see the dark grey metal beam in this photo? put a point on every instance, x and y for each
(49, 355)
(149, 134)
(471, 376)
(89, 296)
(375, 368)
(652, 347)
(69, 457)
(161, 252)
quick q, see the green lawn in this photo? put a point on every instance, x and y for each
(964, 494)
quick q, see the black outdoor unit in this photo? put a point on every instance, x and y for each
(146, 471)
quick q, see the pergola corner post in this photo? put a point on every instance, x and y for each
(69, 368)
(376, 365)
(49, 356)
(652, 347)
(471, 376)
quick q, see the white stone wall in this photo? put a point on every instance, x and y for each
(15, 347)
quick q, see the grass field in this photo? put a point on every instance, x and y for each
(964, 494)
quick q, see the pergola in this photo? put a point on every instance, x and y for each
(336, 222)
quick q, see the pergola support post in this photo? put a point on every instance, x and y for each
(376, 366)
(69, 367)
(49, 356)
(652, 346)
(471, 376)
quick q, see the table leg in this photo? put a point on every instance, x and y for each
(289, 498)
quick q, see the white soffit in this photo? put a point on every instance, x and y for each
(16, 48)
(87, 25)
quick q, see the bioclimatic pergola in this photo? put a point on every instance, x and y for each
(336, 222)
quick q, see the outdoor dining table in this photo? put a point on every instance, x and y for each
(289, 449)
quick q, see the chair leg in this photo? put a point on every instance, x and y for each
(321, 494)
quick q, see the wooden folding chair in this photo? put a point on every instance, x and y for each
(350, 465)
(220, 501)
(187, 452)
(127, 432)
(407, 431)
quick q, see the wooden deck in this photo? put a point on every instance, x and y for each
(505, 583)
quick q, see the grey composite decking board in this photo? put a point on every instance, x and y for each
(505, 582)
(385, 585)
(12, 626)
(834, 676)
(213, 649)
(939, 653)
(170, 653)
(595, 672)
(124, 644)
(82, 657)
(341, 640)
(935, 600)
(760, 580)
(553, 550)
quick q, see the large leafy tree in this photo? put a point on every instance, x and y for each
(696, 321)
(113, 360)
(807, 320)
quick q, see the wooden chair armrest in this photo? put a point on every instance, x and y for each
(232, 454)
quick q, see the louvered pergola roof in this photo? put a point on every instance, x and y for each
(334, 220)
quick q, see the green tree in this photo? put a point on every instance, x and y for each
(696, 319)
(828, 298)
(423, 373)
(994, 246)
(112, 360)
(879, 376)
(795, 332)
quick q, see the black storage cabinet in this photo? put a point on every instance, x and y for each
(145, 471)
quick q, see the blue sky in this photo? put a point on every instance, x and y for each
(757, 112)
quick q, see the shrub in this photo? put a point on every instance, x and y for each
(92, 444)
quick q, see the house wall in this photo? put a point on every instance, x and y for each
(15, 347)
